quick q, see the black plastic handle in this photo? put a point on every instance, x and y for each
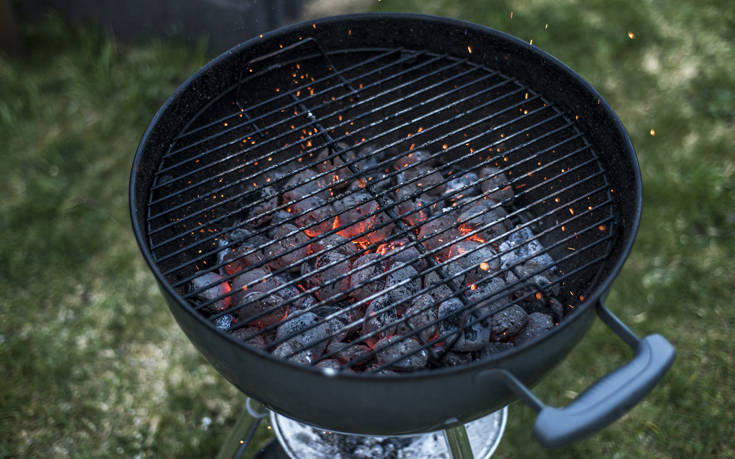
(610, 397)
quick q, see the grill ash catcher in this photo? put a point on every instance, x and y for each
(393, 224)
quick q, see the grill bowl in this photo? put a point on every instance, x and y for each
(426, 400)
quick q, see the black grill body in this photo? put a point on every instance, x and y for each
(411, 402)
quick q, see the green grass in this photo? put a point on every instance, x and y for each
(92, 364)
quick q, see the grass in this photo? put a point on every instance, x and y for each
(93, 365)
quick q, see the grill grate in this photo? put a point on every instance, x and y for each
(302, 100)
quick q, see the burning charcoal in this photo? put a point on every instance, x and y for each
(335, 290)
(398, 251)
(455, 359)
(251, 335)
(508, 322)
(354, 214)
(473, 337)
(494, 348)
(494, 222)
(556, 308)
(354, 354)
(224, 249)
(307, 331)
(215, 288)
(305, 183)
(422, 316)
(383, 227)
(439, 232)
(364, 276)
(495, 185)
(381, 318)
(402, 283)
(261, 309)
(538, 324)
(281, 216)
(263, 211)
(301, 357)
(407, 351)
(254, 280)
(334, 242)
(244, 256)
(481, 258)
(224, 322)
(314, 215)
(440, 290)
(278, 252)
(521, 246)
(430, 182)
(460, 187)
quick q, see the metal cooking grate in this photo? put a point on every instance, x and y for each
(294, 103)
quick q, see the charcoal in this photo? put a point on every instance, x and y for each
(494, 348)
(383, 225)
(245, 235)
(260, 309)
(439, 232)
(429, 182)
(331, 366)
(495, 185)
(407, 350)
(244, 256)
(479, 258)
(255, 280)
(364, 277)
(224, 322)
(256, 336)
(224, 250)
(480, 215)
(538, 324)
(488, 295)
(454, 359)
(460, 187)
(297, 243)
(439, 290)
(398, 251)
(262, 212)
(294, 298)
(335, 169)
(334, 242)
(314, 215)
(421, 313)
(402, 283)
(354, 354)
(281, 216)
(307, 331)
(556, 308)
(335, 290)
(381, 318)
(341, 318)
(412, 163)
(305, 182)
(302, 357)
(473, 337)
(521, 246)
(508, 322)
(217, 289)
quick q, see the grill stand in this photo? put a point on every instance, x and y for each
(301, 441)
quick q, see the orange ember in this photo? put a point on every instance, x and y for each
(484, 266)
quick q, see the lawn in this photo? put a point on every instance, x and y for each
(91, 363)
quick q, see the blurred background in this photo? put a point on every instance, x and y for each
(91, 362)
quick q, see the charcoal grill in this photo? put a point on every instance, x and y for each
(340, 91)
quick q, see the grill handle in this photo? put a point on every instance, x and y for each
(609, 397)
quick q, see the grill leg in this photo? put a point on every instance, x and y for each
(458, 442)
(240, 435)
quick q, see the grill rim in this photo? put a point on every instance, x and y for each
(630, 221)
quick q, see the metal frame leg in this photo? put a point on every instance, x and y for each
(240, 435)
(458, 442)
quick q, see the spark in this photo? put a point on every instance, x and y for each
(469, 49)
(652, 132)
(631, 35)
